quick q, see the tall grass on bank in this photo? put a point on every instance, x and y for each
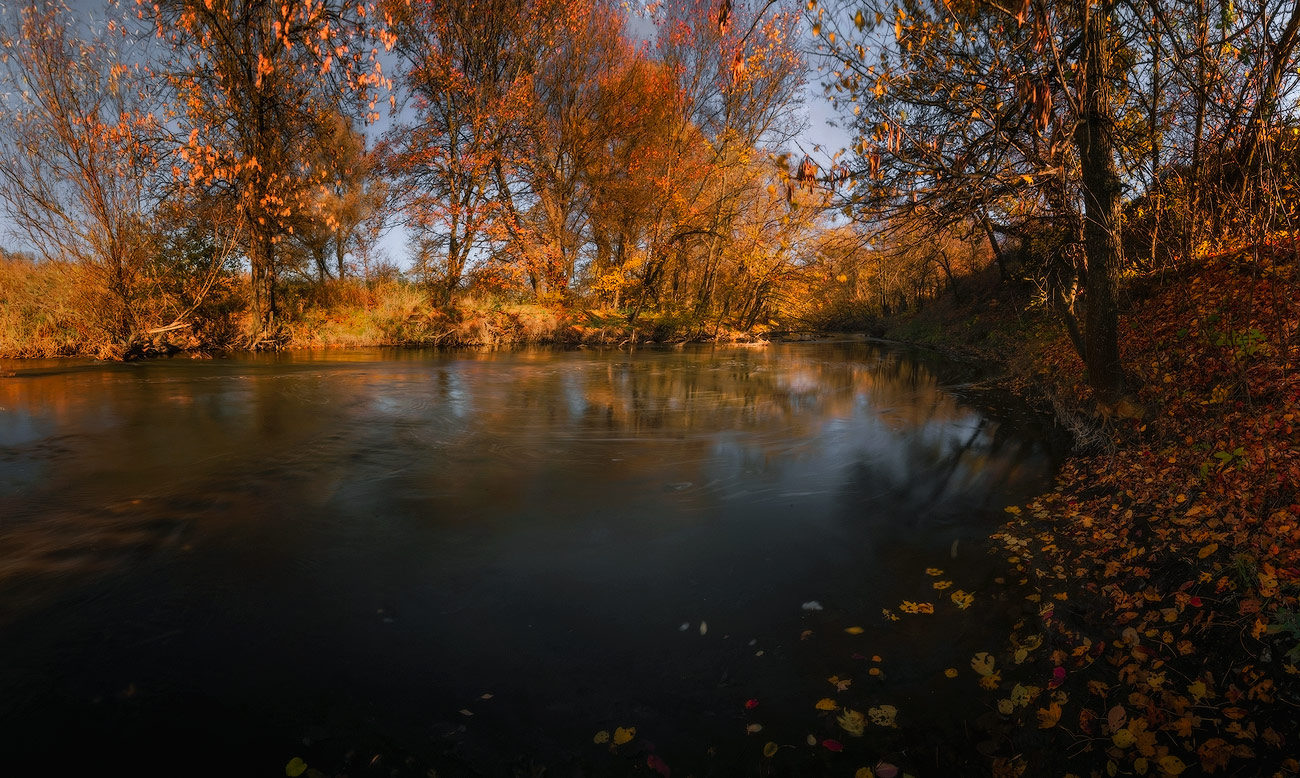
(41, 311)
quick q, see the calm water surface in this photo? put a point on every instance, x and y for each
(210, 567)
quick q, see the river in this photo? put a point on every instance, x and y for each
(385, 561)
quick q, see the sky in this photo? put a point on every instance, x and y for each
(818, 134)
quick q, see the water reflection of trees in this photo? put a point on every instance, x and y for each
(469, 435)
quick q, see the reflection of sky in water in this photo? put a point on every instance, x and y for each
(596, 498)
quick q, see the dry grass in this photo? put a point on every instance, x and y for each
(41, 311)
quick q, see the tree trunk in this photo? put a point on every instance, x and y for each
(1095, 137)
(261, 257)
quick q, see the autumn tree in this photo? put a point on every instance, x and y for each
(250, 82)
(467, 81)
(78, 155)
(349, 191)
(740, 74)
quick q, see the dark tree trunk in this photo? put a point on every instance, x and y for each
(1095, 138)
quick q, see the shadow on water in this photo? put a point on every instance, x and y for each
(474, 562)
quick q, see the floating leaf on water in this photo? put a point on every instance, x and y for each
(658, 765)
(941, 585)
(855, 630)
(466, 712)
(951, 672)
(832, 745)
(852, 722)
(933, 572)
(770, 750)
(886, 770)
(601, 737)
(864, 772)
(1006, 707)
(685, 626)
(485, 696)
(982, 663)
(826, 703)
(883, 716)
(295, 768)
(812, 605)
(961, 599)
(751, 704)
(704, 627)
(812, 740)
(752, 728)
(624, 735)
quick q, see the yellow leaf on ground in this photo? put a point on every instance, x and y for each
(1049, 717)
(982, 663)
(1210, 549)
(1171, 765)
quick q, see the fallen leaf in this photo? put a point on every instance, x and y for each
(704, 627)
(951, 672)
(752, 728)
(883, 716)
(295, 768)
(1049, 717)
(658, 765)
(933, 571)
(886, 770)
(852, 722)
(601, 737)
(855, 630)
(833, 745)
(982, 663)
(624, 735)
(826, 703)
(1171, 765)
(770, 750)
(751, 704)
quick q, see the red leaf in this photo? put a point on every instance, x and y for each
(833, 745)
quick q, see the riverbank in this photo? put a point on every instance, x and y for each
(46, 312)
(1160, 576)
